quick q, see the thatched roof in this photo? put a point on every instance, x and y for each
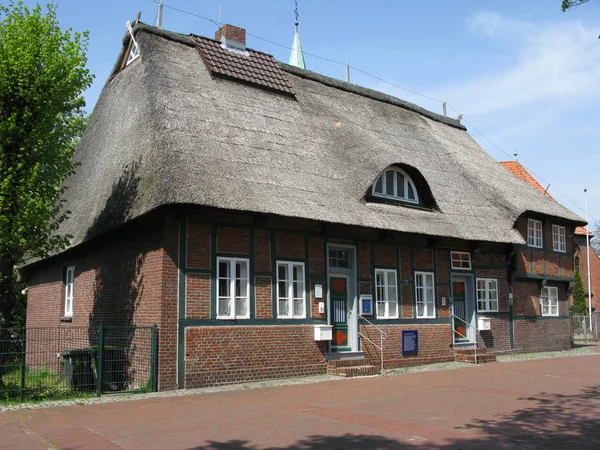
(164, 131)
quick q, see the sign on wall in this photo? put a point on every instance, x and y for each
(366, 305)
(410, 342)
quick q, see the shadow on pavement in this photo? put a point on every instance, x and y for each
(552, 421)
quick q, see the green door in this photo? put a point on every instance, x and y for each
(459, 309)
(339, 313)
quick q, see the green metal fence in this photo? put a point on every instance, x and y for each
(584, 329)
(53, 363)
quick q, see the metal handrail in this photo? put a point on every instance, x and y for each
(382, 335)
(454, 316)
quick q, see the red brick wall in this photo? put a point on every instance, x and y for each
(527, 297)
(434, 344)
(542, 335)
(236, 354)
(497, 339)
(233, 240)
(290, 245)
(545, 261)
(198, 296)
(199, 242)
(262, 251)
(264, 299)
(128, 277)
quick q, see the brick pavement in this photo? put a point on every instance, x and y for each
(552, 403)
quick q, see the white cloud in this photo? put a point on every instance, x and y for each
(495, 25)
(555, 63)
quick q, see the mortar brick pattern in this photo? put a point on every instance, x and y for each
(262, 251)
(290, 245)
(198, 296)
(233, 240)
(264, 299)
(198, 247)
(229, 355)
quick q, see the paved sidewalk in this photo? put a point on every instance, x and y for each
(553, 403)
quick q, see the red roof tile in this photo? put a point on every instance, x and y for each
(517, 169)
(582, 231)
(251, 67)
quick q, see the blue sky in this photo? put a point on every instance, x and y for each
(524, 74)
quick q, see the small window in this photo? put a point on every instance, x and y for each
(534, 233)
(425, 295)
(386, 294)
(133, 53)
(339, 258)
(559, 238)
(549, 301)
(487, 295)
(576, 264)
(461, 260)
(395, 184)
(69, 283)
(290, 290)
(233, 288)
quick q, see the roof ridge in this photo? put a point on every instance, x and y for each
(188, 39)
(370, 93)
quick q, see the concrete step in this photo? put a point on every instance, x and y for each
(481, 358)
(345, 362)
(357, 371)
(469, 350)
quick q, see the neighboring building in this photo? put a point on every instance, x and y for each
(579, 238)
(580, 261)
(240, 204)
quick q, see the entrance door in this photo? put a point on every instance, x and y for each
(338, 285)
(463, 309)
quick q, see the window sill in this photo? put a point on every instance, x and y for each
(66, 319)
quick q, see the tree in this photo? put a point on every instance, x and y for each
(579, 305)
(568, 4)
(595, 241)
(42, 117)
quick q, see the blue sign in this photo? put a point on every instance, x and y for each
(410, 342)
(366, 305)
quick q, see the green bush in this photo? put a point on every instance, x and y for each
(41, 384)
(579, 306)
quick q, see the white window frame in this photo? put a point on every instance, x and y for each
(396, 196)
(134, 53)
(559, 238)
(386, 300)
(484, 295)
(461, 260)
(429, 307)
(232, 280)
(548, 299)
(289, 295)
(535, 234)
(69, 286)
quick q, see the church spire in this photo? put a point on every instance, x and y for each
(296, 56)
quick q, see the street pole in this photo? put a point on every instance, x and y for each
(589, 269)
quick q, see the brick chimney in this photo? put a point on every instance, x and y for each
(232, 38)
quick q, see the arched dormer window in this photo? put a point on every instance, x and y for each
(394, 183)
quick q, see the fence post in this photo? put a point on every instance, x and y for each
(23, 362)
(99, 368)
(154, 362)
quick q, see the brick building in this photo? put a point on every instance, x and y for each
(579, 238)
(245, 206)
